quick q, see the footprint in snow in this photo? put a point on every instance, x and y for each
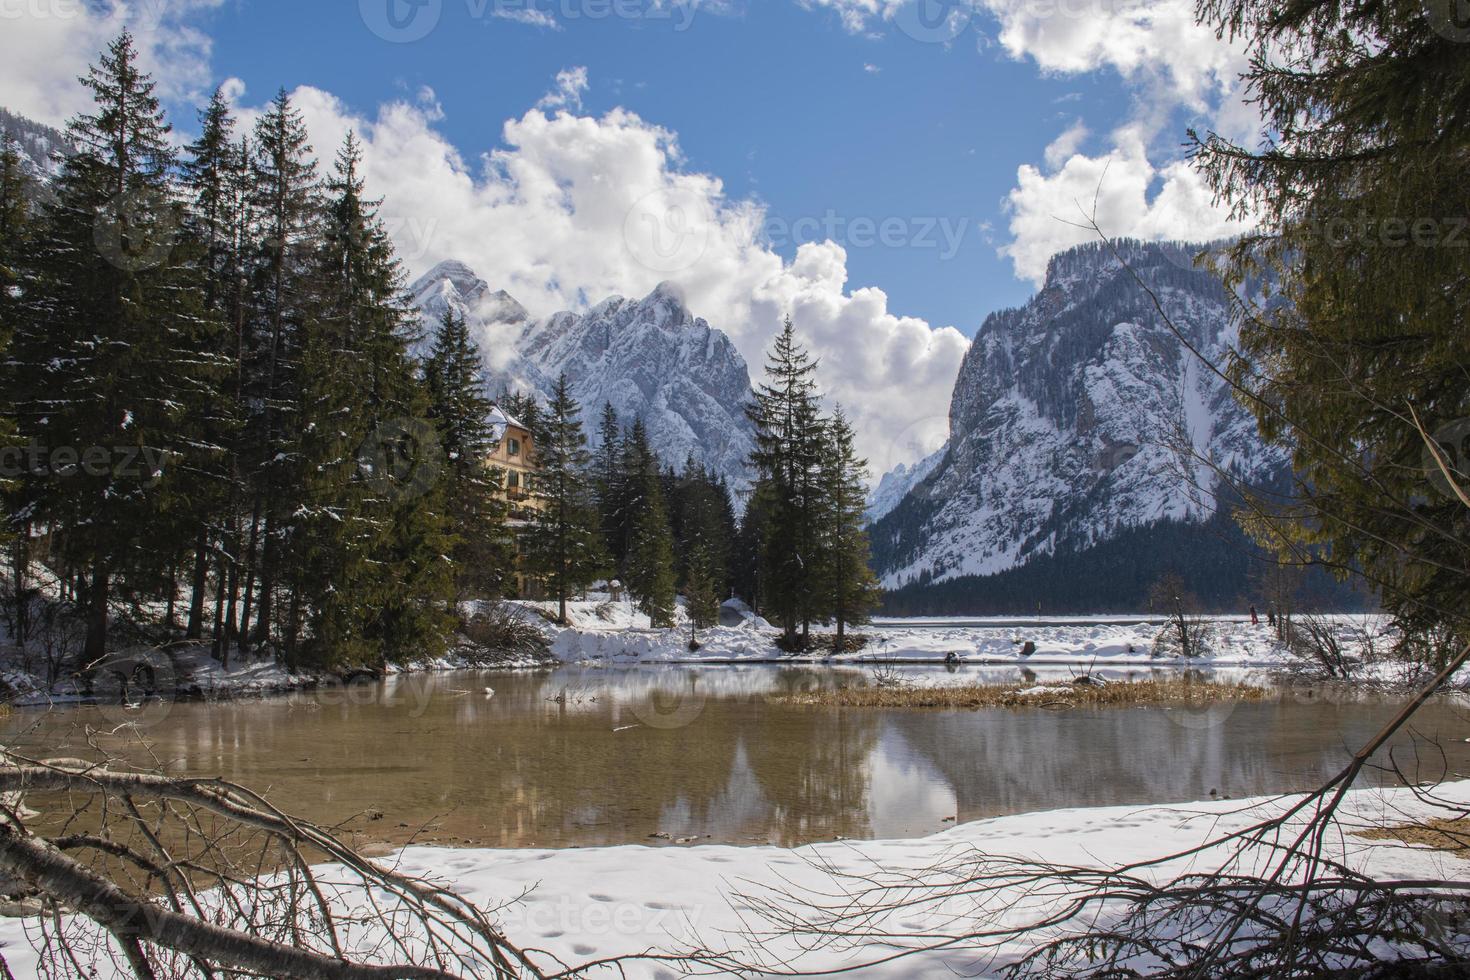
(602, 898)
(582, 949)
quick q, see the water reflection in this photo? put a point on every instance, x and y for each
(581, 756)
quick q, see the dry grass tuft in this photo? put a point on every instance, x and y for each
(1177, 690)
(1442, 835)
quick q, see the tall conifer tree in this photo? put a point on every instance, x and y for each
(286, 196)
(483, 554)
(789, 439)
(563, 546)
(110, 363)
(850, 587)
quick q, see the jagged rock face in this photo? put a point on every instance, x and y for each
(1073, 418)
(651, 359)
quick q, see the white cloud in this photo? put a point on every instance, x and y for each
(1172, 63)
(1119, 189)
(1061, 149)
(547, 218)
(570, 84)
(44, 47)
(528, 15)
(1157, 43)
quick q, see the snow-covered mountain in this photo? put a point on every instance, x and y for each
(896, 484)
(651, 359)
(1067, 421)
(39, 146)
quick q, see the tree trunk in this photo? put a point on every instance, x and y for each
(97, 591)
(250, 559)
(265, 600)
(173, 595)
(130, 920)
(195, 628)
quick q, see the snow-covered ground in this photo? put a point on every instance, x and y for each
(612, 633)
(584, 905)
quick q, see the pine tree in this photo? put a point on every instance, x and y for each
(1361, 199)
(704, 529)
(214, 179)
(16, 244)
(483, 554)
(850, 586)
(649, 575)
(701, 593)
(367, 549)
(789, 437)
(563, 543)
(609, 484)
(285, 195)
(109, 361)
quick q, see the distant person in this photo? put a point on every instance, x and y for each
(1255, 617)
(1271, 616)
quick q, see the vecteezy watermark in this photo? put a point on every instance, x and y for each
(407, 21)
(138, 15)
(136, 230)
(564, 916)
(401, 21)
(1114, 455)
(672, 706)
(668, 230)
(41, 9)
(934, 21)
(1453, 441)
(135, 687)
(142, 463)
(1389, 231)
(944, 234)
(1450, 19)
(402, 459)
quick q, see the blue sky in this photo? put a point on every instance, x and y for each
(828, 160)
(781, 103)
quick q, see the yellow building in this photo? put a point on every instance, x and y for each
(513, 461)
(513, 457)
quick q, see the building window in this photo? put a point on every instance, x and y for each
(514, 480)
(515, 447)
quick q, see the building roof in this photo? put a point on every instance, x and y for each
(499, 421)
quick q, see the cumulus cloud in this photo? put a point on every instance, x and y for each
(45, 47)
(570, 84)
(1172, 63)
(1061, 149)
(575, 208)
(1127, 194)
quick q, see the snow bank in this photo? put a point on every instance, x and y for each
(1232, 643)
(584, 905)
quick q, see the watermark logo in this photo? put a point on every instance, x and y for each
(671, 707)
(1453, 440)
(135, 687)
(401, 21)
(1450, 19)
(402, 459)
(934, 21)
(144, 464)
(668, 231)
(136, 230)
(1114, 456)
(943, 235)
(40, 9)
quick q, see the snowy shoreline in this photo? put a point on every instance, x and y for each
(613, 634)
(581, 905)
